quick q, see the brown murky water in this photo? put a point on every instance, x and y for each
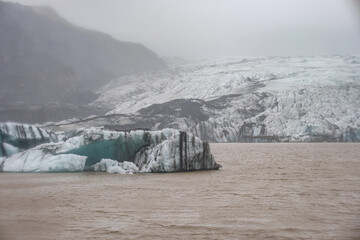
(263, 191)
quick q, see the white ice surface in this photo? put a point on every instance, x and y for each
(36, 161)
(209, 78)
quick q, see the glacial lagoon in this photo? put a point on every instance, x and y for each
(263, 191)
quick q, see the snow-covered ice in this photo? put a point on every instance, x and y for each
(233, 99)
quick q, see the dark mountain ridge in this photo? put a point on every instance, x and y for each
(44, 58)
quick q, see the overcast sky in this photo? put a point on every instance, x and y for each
(222, 27)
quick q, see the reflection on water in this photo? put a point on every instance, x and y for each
(263, 191)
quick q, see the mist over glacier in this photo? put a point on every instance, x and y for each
(222, 28)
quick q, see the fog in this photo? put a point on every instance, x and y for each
(222, 27)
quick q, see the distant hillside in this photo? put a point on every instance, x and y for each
(44, 58)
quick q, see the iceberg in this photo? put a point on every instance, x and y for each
(37, 161)
(95, 149)
(15, 137)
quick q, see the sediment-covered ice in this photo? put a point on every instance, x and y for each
(95, 149)
(15, 137)
(186, 152)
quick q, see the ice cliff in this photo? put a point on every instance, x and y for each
(18, 137)
(95, 149)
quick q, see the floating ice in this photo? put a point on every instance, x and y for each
(95, 149)
(35, 160)
(16, 137)
(112, 166)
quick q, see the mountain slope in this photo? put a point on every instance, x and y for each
(44, 58)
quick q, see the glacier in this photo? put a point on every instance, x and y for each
(234, 99)
(96, 149)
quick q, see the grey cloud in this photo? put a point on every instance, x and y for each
(222, 27)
